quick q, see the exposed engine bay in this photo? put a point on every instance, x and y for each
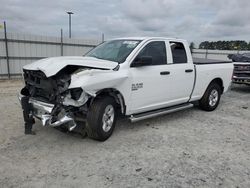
(50, 99)
(52, 89)
(43, 88)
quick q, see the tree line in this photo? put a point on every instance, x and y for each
(225, 45)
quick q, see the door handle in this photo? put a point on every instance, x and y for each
(189, 70)
(165, 73)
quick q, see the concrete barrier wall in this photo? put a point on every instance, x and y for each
(215, 54)
(24, 49)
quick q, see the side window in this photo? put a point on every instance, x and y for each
(178, 52)
(156, 50)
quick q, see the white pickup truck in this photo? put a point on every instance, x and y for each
(137, 78)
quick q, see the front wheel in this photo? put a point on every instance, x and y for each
(101, 118)
(211, 98)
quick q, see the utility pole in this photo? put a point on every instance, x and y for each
(69, 13)
(102, 37)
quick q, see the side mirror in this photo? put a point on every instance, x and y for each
(142, 61)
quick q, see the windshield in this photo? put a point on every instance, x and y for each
(115, 50)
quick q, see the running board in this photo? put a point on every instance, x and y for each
(151, 114)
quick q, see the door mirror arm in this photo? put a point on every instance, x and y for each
(142, 61)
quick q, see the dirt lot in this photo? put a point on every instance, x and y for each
(191, 148)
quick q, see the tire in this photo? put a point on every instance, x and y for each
(211, 98)
(100, 119)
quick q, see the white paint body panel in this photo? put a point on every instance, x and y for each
(206, 73)
(93, 81)
(158, 91)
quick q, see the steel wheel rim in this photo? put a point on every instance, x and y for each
(108, 118)
(213, 97)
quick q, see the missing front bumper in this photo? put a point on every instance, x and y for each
(43, 111)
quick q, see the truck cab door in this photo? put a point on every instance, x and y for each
(182, 77)
(149, 73)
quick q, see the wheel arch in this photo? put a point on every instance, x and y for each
(215, 80)
(114, 93)
(204, 101)
(219, 81)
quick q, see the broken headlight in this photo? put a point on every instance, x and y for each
(75, 97)
(76, 93)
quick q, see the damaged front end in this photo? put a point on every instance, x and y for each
(50, 100)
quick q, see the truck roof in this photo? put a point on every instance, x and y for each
(148, 38)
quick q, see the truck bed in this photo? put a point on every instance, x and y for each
(201, 61)
(206, 70)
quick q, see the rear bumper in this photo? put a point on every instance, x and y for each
(44, 112)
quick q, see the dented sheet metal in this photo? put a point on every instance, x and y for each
(93, 80)
(51, 66)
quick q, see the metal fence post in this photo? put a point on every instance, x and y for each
(6, 48)
(206, 54)
(61, 42)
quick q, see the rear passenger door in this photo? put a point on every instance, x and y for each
(182, 73)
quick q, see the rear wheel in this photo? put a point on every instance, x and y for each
(101, 118)
(211, 98)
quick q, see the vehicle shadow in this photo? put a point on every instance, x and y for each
(124, 124)
(240, 88)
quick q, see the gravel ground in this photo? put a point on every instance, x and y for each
(190, 148)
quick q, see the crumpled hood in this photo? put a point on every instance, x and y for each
(51, 66)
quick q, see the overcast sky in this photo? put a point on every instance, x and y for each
(195, 20)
